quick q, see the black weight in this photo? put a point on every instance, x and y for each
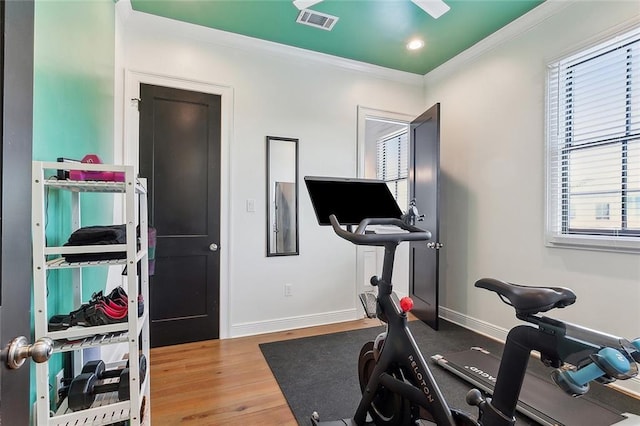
(99, 368)
(143, 368)
(123, 389)
(83, 389)
(93, 367)
(81, 392)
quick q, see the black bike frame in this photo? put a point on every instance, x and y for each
(555, 340)
(403, 352)
(400, 350)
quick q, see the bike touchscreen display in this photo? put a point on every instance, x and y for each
(351, 200)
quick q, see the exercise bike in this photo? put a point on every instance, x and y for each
(397, 386)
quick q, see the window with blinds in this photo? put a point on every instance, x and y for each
(594, 146)
(393, 165)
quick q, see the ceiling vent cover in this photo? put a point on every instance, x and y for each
(317, 19)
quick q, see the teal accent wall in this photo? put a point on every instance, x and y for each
(73, 103)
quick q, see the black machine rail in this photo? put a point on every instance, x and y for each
(539, 400)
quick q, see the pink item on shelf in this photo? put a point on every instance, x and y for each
(95, 175)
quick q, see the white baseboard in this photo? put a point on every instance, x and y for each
(290, 323)
(474, 324)
(631, 386)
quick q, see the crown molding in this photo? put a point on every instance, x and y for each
(124, 10)
(519, 26)
(135, 19)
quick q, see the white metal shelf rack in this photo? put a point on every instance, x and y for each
(135, 332)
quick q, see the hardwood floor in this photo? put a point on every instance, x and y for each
(224, 382)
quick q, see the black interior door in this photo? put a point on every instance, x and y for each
(424, 173)
(16, 37)
(180, 157)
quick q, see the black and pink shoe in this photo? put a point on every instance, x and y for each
(100, 310)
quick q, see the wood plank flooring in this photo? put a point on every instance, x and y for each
(224, 382)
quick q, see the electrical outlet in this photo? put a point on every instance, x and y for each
(287, 290)
(58, 385)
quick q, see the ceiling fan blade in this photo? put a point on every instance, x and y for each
(305, 4)
(435, 8)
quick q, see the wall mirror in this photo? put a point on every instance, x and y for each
(282, 196)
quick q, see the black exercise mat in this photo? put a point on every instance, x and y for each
(320, 373)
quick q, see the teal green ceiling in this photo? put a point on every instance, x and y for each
(370, 31)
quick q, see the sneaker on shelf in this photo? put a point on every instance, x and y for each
(102, 314)
(100, 310)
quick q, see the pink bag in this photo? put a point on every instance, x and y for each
(93, 175)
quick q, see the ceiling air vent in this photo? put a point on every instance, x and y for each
(317, 19)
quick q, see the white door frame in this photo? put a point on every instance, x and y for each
(365, 113)
(130, 154)
(367, 257)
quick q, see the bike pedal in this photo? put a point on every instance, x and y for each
(369, 303)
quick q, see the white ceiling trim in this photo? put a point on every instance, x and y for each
(509, 31)
(237, 41)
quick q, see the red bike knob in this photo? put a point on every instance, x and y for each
(406, 304)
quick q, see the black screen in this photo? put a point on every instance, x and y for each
(351, 200)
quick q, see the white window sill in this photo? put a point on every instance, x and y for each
(594, 242)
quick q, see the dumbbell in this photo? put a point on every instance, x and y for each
(99, 368)
(84, 388)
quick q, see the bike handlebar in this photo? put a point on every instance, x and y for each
(360, 237)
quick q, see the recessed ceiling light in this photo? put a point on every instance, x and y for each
(415, 44)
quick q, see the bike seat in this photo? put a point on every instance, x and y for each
(529, 300)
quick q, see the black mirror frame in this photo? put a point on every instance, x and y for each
(271, 253)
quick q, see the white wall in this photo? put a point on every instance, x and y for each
(493, 168)
(285, 92)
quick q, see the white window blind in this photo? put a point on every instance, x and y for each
(393, 163)
(594, 146)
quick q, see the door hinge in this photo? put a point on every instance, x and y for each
(135, 102)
